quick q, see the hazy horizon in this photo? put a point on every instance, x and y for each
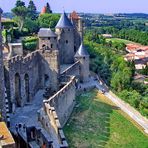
(93, 6)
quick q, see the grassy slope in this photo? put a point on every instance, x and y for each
(121, 40)
(96, 122)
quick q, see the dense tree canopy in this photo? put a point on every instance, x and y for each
(20, 11)
(32, 11)
(106, 59)
(48, 20)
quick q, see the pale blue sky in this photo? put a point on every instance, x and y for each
(93, 6)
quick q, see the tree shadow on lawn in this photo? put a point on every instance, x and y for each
(89, 125)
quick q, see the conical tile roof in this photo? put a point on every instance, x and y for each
(64, 22)
(82, 52)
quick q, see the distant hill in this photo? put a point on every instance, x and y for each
(8, 15)
(134, 15)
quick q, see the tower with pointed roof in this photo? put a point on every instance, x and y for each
(83, 56)
(65, 32)
(2, 88)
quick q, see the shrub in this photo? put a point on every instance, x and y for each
(30, 43)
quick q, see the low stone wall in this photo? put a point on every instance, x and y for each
(72, 70)
(49, 120)
(63, 101)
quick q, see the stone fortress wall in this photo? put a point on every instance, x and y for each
(74, 69)
(57, 110)
(63, 101)
(26, 75)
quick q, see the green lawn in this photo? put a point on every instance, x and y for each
(121, 40)
(97, 122)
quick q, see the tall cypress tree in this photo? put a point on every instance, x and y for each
(48, 9)
(32, 11)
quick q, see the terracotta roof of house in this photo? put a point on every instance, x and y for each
(135, 47)
(74, 15)
(144, 47)
(64, 22)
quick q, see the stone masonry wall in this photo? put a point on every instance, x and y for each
(72, 70)
(22, 66)
(2, 86)
(35, 66)
(63, 101)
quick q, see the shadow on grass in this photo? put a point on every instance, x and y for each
(89, 125)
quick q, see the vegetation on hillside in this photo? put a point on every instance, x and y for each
(107, 61)
(131, 27)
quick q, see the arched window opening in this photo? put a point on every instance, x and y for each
(75, 49)
(51, 45)
(17, 90)
(26, 78)
(46, 80)
(43, 46)
(66, 41)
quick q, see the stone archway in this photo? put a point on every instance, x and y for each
(26, 78)
(18, 90)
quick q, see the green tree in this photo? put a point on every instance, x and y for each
(20, 11)
(32, 11)
(31, 25)
(48, 20)
(145, 70)
(19, 3)
(48, 8)
(132, 97)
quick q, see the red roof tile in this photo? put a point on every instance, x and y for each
(74, 15)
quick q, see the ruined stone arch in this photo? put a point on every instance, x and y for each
(18, 90)
(27, 91)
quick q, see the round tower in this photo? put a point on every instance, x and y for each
(83, 56)
(47, 39)
(2, 86)
(65, 32)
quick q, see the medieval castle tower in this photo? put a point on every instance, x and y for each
(60, 60)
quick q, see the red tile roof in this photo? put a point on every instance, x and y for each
(74, 15)
(43, 10)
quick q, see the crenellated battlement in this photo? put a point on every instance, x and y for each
(63, 101)
(61, 91)
(55, 123)
(28, 57)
